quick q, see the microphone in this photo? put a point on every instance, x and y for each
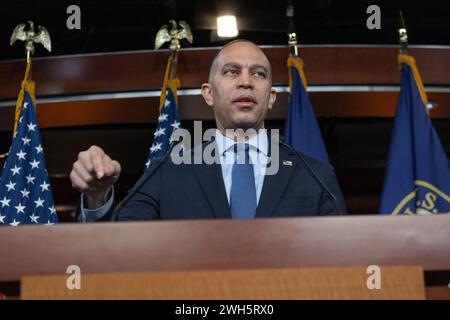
(147, 175)
(324, 187)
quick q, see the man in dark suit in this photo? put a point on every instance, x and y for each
(238, 184)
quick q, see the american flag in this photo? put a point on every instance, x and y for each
(168, 122)
(25, 192)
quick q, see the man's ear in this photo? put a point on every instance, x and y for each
(207, 94)
(272, 98)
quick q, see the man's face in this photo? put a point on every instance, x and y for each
(240, 89)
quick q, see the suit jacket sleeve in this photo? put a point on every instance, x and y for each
(140, 204)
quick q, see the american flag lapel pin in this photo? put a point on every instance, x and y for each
(287, 163)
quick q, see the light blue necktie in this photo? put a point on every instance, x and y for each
(243, 191)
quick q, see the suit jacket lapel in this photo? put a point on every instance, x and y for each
(275, 185)
(211, 181)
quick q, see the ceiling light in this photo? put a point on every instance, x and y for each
(227, 26)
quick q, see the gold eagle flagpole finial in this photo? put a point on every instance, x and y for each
(173, 35)
(30, 36)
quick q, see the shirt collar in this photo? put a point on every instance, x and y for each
(259, 142)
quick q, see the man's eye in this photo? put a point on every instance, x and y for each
(260, 74)
(231, 72)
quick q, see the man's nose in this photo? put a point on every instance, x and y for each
(245, 80)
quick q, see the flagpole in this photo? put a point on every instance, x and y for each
(292, 35)
(29, 184)
(403, 34)
(302, 130)
(30, 37)
(173, 36)
(169, 118)
(173, 67)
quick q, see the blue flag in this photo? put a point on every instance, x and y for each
(417, 177)
(25, 192)
(301, 129)
(169, 118)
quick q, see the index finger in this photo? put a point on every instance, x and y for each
(96, 156)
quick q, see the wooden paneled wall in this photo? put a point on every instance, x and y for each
(353, 93)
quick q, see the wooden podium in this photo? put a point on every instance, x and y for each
(251, 284)
(290, 258)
